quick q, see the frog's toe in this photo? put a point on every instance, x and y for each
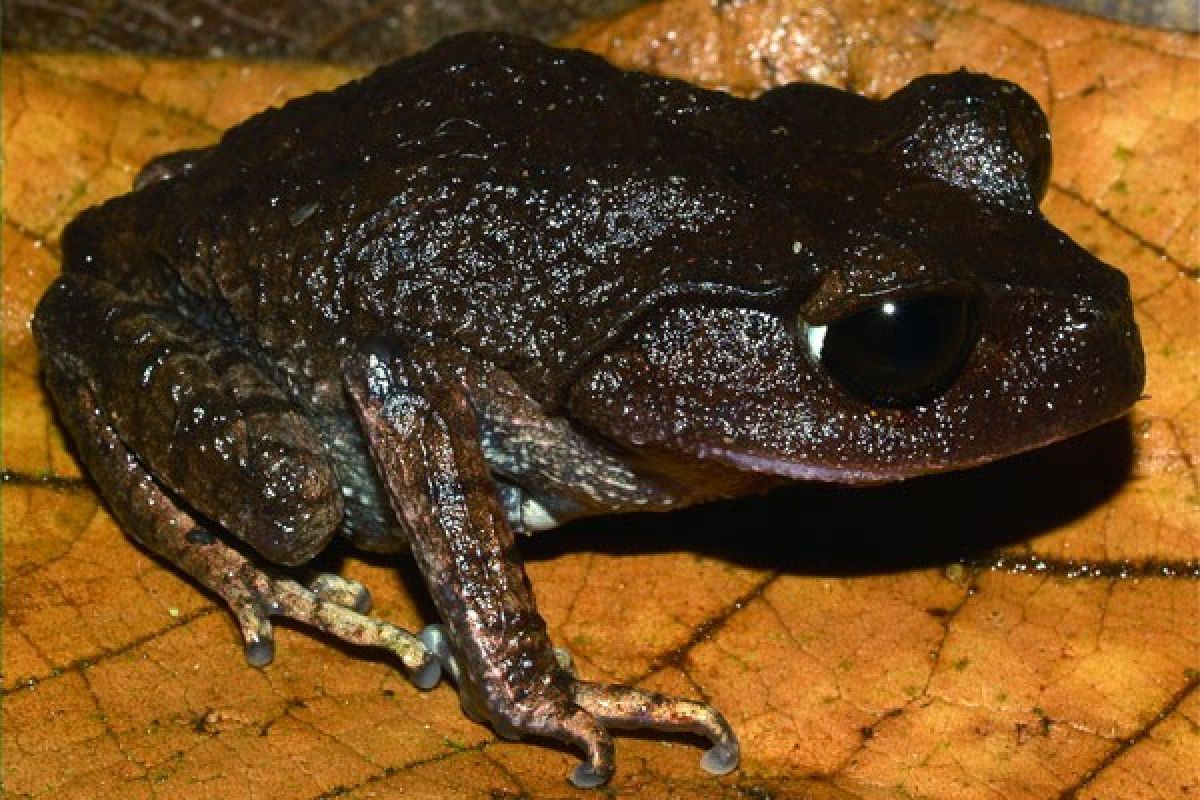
(720, 759)
(298, 602)
(627, 707)
(437, 642)
(441, 660)
(252, 610)
(260, 653)
(587, 776)
(434, 639)
(331, 606)
(346, 592)
(428, 676)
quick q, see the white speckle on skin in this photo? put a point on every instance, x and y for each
(535, 516)
(815, 336)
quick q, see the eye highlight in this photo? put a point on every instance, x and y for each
(901, 352)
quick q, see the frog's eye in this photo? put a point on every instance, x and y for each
(900, 352)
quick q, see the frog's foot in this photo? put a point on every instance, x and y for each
(618, 706)
(255, 597)
(437, 642)
(333, 605)
(583, 715)
(592, 709)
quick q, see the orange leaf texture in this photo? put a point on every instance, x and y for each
(1026, 630)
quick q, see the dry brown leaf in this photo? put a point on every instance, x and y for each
(854, 655)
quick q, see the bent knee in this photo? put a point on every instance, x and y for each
(288, 500)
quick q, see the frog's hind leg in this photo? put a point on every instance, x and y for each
(201, 417)
(92, 338)
(423, 435)
(155, 520)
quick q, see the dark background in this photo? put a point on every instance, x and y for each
(357, 31)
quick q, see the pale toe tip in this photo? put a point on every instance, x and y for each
(719, 759)
(260, 653)
(429, 675)
(435, 641)
(588, 776)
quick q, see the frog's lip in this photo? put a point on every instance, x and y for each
(801, 472)
(857, 476)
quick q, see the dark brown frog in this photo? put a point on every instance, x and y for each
(497, 286)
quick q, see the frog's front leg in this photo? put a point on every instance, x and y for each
(424, 439)
(164, 414)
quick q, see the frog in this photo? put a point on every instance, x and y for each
(498, 286)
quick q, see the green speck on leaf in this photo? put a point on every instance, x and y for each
(1121, 187)
(961, 663)
(1123, 153)
(1191, 673)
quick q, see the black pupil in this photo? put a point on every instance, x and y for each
(901, 352)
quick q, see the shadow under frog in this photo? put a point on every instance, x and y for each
(498, 286)
(836, 530)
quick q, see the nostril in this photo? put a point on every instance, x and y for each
(1086, 314)
(1082, 317)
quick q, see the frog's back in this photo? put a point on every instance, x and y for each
(493, 191)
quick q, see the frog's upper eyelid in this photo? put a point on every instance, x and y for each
(824, 309)
(709, 292)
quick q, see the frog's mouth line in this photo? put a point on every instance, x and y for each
(800, 472)
(855, 476)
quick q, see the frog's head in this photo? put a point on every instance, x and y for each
(937, 320)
